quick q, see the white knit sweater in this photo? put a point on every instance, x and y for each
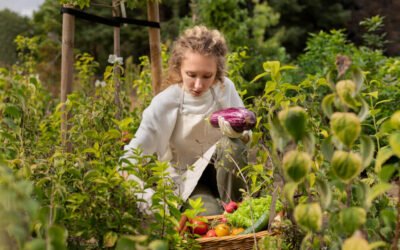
(159, 118)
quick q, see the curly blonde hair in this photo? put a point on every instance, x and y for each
(202, 40)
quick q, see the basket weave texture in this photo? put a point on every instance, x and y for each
(234, 242)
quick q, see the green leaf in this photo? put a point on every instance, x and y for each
(288, 190)
(58, 237)
(383, 155)
(327, 148)
(377, 190)
(367, 150)
(383, 101)
(361, 189)
(377, 244)
(358, 78)
(112, 134)
(287, 67)
(309, 142)
(110, 238)
(381, 120)
(364, 111)
(36, 244)
(92, 134)
(373, 94)
(387, 172)
(324, 192)
(12, 110)
(327, 105)
(129, 242)
(123, 124)
(394, 141)
(259, 76)
(269, 87)
(274, 68)
(158, 245)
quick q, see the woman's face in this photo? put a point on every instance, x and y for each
(198, 72)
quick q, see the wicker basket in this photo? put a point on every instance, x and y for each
(242, 242)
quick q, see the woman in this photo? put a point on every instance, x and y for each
(174, 126)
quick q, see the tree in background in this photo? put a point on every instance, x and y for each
(11, 25)
(299, 18)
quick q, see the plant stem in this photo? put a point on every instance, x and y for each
(397, 232)
(272, 208)
(248, 191)
(348, 193)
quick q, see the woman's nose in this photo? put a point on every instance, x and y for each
(198, 83)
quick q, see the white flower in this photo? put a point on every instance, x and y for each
(115, 59)
(99, 83)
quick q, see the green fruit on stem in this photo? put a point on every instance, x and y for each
(394, 142)
(346, 90)
(309, 216)
(346, 127)
(355, 243)
(296, 165)
(395, 120)
(352, 218)
(346, 165)
(294, 120)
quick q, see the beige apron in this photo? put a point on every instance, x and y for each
(192, 146)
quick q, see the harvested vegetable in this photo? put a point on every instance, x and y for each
(230, 207)
(239, 118)
(242, 216)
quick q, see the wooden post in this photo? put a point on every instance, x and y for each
(117, 51)
(155, 46)
(67, 60)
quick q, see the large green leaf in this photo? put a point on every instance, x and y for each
(364, 110)
(327, 105)
(324, 192)
(367, 149)
(377, 190)
(358, 78)
(383, 155)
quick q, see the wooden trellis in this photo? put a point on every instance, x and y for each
(67, 58)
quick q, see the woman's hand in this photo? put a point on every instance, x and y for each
(228, 131)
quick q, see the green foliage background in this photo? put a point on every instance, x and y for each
(60, 199)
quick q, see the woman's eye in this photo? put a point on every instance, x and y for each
(190, 74)
(207, 76)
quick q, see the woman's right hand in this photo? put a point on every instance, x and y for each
(228, 131)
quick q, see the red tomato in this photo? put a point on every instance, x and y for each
(211, 233)
(199, 227)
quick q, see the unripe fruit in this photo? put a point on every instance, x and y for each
(346, 165)
(346, 127)
(296, 165)
(346, 90)
(395, 120)
(355, 243)
(352, 218)
(294, 120)
(394, 142)
(309, 216)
